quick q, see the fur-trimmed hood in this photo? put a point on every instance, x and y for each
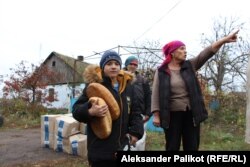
(93, 73)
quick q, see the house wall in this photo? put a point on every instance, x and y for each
(61, 67)
(64, 94)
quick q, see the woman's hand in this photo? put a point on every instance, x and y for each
(227, 39)
(156, 119)
(231, 37)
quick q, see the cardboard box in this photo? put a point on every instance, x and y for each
(48, 130)
(66, 126)
(61, 144)
(78, 145)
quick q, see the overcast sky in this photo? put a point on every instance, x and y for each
(31, 29)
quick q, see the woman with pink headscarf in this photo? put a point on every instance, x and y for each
(177, 102)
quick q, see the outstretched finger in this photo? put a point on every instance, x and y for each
(236, 32)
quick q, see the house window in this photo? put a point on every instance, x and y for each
(51, 95)
(53, 63)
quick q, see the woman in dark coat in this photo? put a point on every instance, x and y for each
(177, 102)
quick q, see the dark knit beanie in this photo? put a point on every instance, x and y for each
(110, 55)
(131, 59)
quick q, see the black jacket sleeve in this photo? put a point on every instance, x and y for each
(81, 107)
(147, 99)
(135, 117)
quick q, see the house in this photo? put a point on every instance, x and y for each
(69, 85)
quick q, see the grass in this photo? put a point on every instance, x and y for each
(26, 119)
(216, 138)
(155, 141)
(13, 121)
(223, 139)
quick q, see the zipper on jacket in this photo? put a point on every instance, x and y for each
(194, 122)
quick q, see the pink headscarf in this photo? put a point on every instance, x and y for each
(170, 48)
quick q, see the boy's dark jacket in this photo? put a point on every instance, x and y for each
(128, 122)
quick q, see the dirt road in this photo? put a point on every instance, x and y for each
(19, 146)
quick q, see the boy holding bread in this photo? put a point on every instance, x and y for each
(112, 113)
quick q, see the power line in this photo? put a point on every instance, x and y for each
(97, 55)
(175, 5)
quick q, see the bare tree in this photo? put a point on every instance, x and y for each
(227, 67)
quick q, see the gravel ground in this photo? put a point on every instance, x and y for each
(20, 146)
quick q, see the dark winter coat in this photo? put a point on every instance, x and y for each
(146, 93)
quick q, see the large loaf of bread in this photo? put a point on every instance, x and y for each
(98, 90)
(101, 126)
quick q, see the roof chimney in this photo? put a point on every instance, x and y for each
(80, 58)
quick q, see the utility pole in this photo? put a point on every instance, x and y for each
(74, 79)
(79, 58)
(247, 133)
